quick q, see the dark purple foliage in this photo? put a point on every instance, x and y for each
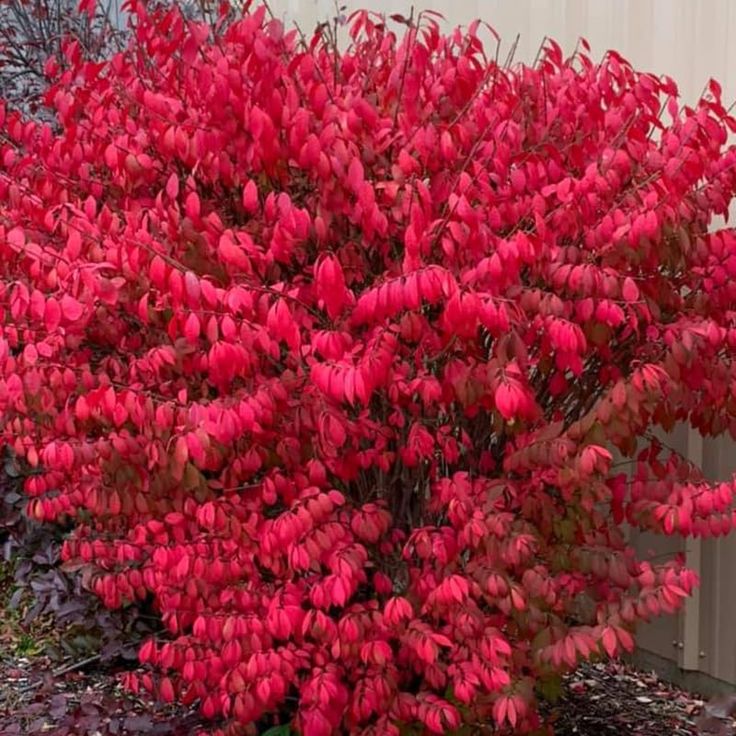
(81, 705)
(44, 587)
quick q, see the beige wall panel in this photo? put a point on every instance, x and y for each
(718, 577)
(662, 635)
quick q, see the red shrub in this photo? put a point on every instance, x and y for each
(323, 350)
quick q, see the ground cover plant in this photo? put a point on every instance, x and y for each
(322, 354)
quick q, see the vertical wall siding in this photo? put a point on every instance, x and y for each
(718, 588)
(691, 42)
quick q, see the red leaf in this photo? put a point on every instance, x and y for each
(166, 690)
(192, 328)
(630, 290)
(608, 639)
(71, 309)
(250, 197)
(172, 186)
(192, 206)
(52, 315)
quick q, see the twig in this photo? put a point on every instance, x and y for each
(409, 47)
(65, 670)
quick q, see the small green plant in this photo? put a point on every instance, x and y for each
(28, 646)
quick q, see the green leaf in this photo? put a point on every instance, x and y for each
(284, 730)
(550, 688)
(541, 640)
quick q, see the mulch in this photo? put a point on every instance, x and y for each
(613, 699)
(599, 700)
(35, 701)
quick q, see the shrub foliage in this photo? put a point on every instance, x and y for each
(325, 353)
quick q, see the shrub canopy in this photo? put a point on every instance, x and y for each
(325, 352)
